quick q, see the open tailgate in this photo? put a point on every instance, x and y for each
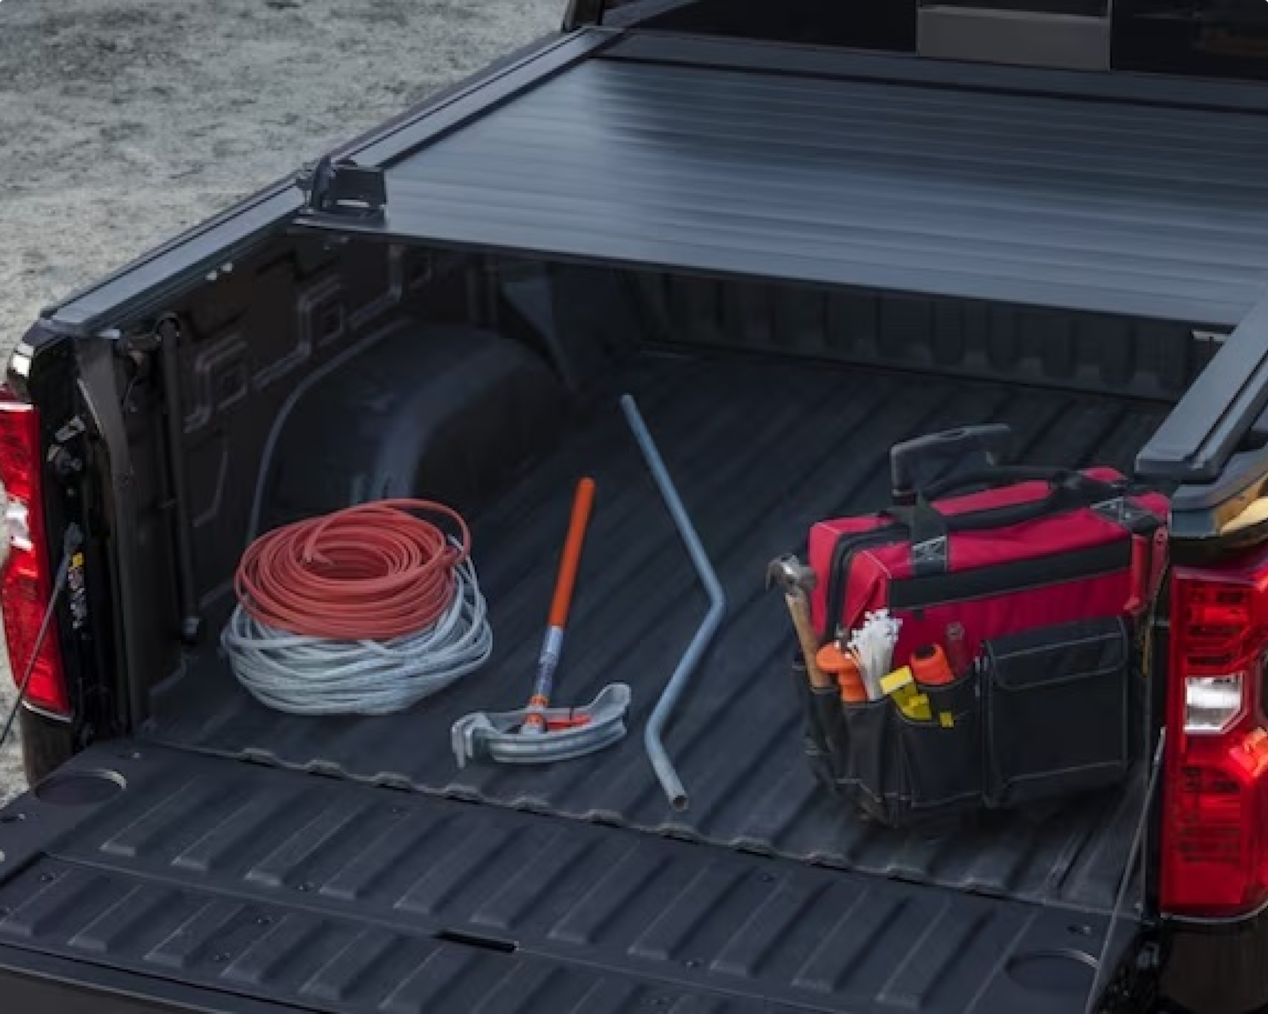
(194, 876)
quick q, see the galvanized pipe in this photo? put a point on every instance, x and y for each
(656, 753)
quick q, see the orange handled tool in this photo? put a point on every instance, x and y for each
(930, 666)
(565, 582)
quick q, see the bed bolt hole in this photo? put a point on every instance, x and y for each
(1080, 929)
(304, 888)
(47, 878)
(485, 943)
(693, 962)
(263, 920)
(12, 818)
(221, 958)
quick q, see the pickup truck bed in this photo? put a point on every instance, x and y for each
(828, 253)
(760, 450)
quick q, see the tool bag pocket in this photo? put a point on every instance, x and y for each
(821, 719)
(873, 774)
(943, 756)
(1056, 706)
(902, 771)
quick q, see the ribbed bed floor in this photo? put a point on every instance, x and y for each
(759, 451)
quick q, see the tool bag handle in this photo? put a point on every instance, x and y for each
(995, 440)
(929, 528)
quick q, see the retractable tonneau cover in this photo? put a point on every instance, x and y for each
(761, 160)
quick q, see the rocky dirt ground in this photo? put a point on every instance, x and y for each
(125, 121)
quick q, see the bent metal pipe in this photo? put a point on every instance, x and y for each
(656, 753)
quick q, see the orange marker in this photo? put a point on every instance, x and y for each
(930, 666)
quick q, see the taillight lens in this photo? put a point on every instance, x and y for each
(1215, 793)
(28, 581)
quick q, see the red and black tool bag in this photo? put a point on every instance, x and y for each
(1047, 571)
(1040, 546)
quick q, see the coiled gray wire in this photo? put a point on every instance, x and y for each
(304, 675)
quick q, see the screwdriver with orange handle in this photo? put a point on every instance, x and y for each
(557, 621)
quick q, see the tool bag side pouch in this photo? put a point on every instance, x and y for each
(1056, 706)
(943, 757)
(821, 719)
(873, 771)
(901, 771)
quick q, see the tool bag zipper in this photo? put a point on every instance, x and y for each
(847, 547)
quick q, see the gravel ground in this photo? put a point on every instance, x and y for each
(125, 121)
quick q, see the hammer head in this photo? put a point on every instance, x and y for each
(790, 574)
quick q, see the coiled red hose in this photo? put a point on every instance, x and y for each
(371, 572)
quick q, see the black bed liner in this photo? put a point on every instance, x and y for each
(281, 887)
(759, 450)
(642, 154)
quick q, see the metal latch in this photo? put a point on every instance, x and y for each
(343, 188)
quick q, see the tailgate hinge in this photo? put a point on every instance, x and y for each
(343, 189)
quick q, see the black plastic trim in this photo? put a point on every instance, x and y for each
(1207, 511)
(1216, 967)
(1201, 434)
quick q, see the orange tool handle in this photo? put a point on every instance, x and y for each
(582, 505)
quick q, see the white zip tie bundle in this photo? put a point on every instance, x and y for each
(306, 675)
(873, 646)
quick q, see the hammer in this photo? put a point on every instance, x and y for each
(797, 580)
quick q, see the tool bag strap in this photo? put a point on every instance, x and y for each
(995, 477)
(929, 529)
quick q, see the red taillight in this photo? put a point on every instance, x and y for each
(1215, 793)
(28, 580)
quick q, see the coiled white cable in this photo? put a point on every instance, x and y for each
(305, 675)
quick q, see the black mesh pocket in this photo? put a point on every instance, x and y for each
(1056, 705)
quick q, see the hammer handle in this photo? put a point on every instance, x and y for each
(799, 610)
